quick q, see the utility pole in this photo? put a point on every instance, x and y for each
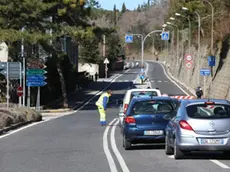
(24, 71)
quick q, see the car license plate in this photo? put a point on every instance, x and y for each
(154, 132)
(212, 141)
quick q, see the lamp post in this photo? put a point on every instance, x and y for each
(199, 25)
(211, 24)
(143, 42)
(177, 50)
(142, 48)
(189, 39)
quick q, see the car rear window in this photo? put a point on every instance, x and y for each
(143, 93)
(152, 107)
(202, 111)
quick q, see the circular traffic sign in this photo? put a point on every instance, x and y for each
(188, 65)
(20, 91)
(188, 57)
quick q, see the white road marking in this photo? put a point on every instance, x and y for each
(159, 81)
(48, 119)
(171, 156)
(172, 80)
(109, 157)
(115, 150)
(219, 163)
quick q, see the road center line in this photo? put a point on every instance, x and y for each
(115, 150)
(109, 157)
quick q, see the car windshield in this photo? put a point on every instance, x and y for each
(152, 107)
(143, 93)
(202, 111)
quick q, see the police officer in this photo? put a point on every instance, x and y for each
(102, 106)
(199, 92)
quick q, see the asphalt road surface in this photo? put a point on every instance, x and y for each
(77, 143)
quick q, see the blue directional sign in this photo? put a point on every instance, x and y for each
(205, 72)
(37, 77)
(165, 36)
(129, 38)
(211, 60)
(36, 83)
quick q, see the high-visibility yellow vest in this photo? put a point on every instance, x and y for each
(100, 100)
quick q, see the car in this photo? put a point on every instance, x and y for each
(128, 97)
(200, 125)
(146, 119)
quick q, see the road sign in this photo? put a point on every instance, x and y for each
(37, 77)
(36, 84)
(129, 38)
(165, 36)
(14, 69)
(211, 60)
(188, 57)
(188, 65)
(35, 71)
(35, 63)
(20, 91)
(205, 72)
(106, 61)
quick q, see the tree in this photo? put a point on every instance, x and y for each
(123, 10)
(115, 15)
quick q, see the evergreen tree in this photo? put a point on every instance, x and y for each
(115, 15)
(123, 10)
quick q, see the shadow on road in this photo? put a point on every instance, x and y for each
(148, 146)
(118, 88)
(206, 155)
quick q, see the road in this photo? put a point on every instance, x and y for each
(77, 143)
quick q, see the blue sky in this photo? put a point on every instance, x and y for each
(130, 4)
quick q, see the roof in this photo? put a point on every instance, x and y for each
(198, 101)
(144, 98)
(143, 89)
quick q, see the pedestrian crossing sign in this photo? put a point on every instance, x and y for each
(129, 38)
(165, 36)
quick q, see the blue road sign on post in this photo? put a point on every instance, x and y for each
(211, 60)
(35, 83)
(38, 77)
(205, 72)
(165, 36)
(129, 38)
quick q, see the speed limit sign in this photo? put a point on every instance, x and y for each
(188, 57)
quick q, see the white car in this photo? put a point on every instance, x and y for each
(130, 94)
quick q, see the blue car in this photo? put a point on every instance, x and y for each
(146, 119)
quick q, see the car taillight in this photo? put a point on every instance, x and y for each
(130, 120)
(125, 108)
(185, 125)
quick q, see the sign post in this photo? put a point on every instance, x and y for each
(106, 62)
(35, 78)
(188, 63)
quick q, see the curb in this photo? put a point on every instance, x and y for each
(183, 85)
(16, 126)
(56, 110)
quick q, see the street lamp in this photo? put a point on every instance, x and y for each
(142, 48)
(199, 25)
(212, 24)
(189, 40)
(177, 50)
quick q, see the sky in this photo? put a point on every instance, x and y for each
(130, 4)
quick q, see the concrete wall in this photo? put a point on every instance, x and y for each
(90, 68)
(217, 86)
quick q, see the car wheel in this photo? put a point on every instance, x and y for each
(126, 144)
(178, 154)
(168, 149)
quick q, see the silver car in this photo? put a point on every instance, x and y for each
(200, 125)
